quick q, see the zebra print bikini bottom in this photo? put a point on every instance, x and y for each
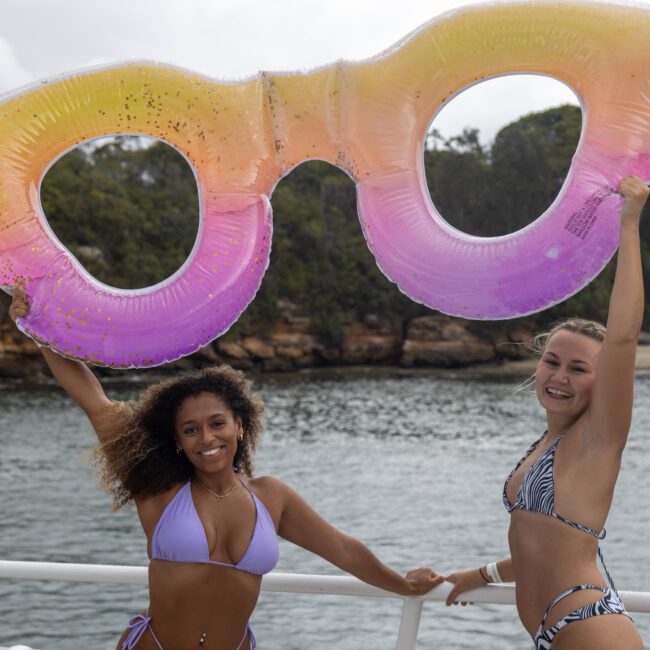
(610, 603)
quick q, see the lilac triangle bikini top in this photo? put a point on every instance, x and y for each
(179, 536)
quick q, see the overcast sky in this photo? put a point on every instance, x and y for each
(230, 39)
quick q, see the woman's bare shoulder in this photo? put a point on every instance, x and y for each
(271, 490)
(266, 484)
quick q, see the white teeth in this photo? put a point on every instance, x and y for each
(558, 393)
(211, 452)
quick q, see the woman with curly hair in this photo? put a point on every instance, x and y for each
(183, 453)
(560, 492)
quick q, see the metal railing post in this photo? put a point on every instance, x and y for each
(410, 624)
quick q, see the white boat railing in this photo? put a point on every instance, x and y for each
(297, 583)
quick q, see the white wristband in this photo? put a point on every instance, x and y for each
(493, 572)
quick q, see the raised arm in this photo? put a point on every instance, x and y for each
(301, 525)
(610, 412)
(73, 376)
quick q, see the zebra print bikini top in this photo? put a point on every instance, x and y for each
(536, 492)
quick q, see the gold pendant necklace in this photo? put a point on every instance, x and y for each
(219, 497)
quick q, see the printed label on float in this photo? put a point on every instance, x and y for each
(581, 222)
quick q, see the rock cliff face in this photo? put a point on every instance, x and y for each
(293, 342)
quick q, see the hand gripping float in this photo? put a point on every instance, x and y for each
(369, 118)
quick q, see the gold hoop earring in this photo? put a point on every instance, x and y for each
(178, 451)
(241, 437)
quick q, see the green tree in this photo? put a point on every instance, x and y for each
(137, 206)
(530, 159)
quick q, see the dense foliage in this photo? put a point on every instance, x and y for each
(130, 214)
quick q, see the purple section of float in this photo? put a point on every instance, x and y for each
(70, 313)
(501, 277)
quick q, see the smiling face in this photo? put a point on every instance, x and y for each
(207, 431)
(566, 372)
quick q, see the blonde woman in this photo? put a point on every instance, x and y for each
(560, 492)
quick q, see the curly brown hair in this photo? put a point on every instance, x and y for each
(138, 456)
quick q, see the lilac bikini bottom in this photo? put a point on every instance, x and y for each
(139, 624)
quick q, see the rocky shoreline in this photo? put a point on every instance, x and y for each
(428, 341)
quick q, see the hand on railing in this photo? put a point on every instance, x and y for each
(464, 581)
(421, 581)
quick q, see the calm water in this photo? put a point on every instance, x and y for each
(412, 466)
